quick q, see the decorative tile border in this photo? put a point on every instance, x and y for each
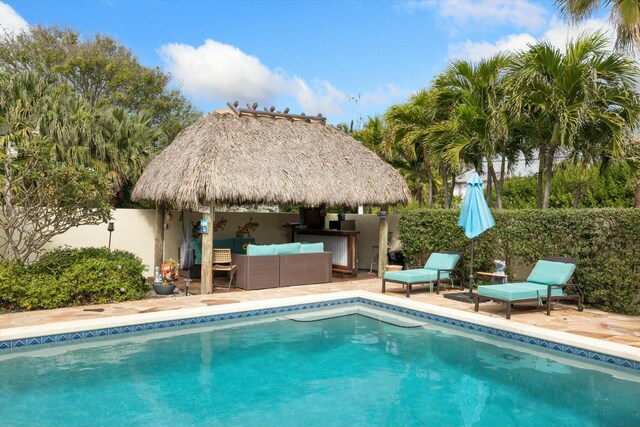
(74, 336)
(523, 339)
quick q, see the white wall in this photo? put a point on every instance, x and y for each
(134, 232)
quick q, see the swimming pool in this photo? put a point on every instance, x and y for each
(327, 367)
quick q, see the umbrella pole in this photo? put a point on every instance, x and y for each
(471, 272)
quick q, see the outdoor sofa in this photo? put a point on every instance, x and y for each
(438, 268)
(237, 245)
(548, 282)
(289, 264)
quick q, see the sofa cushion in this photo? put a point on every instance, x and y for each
(439, 261)
(240, 244)
(261, 250)
(196, 245)
(288, 248)
(223, 243)
(551, 273)
(518, 291)
(415, 275)
(311, 248)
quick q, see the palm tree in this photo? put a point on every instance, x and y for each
(564, 94)
(408, 141)
(477, 124)
(115, 142)
(625, 14)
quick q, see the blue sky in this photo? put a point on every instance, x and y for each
(345, 59)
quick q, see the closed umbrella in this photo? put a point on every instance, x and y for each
(475, 217)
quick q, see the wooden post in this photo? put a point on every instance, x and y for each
(382, 241)
(206, 281)
(158, 253)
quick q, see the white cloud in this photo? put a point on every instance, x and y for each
(521, 13)
(558, 33)
(11, 21)
(384, 95)
(216, 71)
(476, 51)
(220, 71)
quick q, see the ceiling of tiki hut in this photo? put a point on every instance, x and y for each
(230, 158)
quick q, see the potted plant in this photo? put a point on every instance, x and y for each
(165, 281)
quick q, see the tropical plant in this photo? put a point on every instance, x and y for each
(478, 125)
(102, 71)
(625, 15)
(565, 95)
(407, 143)
(61, 160)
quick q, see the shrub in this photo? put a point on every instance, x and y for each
(605, 243)
(67, 277)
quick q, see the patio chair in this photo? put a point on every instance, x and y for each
(547, 282)
(438, 268)
(222, 262)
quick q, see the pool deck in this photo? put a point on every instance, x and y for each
(591, 323)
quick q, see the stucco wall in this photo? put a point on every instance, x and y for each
(134, 232)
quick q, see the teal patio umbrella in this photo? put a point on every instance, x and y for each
(475, 217)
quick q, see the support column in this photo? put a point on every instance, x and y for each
(383, 230)
(158, 252)
(206, 281)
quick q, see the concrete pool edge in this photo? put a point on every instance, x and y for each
(591, 348)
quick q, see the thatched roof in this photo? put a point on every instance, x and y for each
(234, 159)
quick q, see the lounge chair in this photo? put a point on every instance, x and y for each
(438, 268)
(547, 282)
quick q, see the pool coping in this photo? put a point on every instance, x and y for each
(590, 348)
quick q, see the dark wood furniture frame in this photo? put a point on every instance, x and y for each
(438, 279)
(579, 296)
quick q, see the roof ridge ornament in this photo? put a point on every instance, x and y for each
(252, 110)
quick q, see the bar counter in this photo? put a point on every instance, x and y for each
(341, 243)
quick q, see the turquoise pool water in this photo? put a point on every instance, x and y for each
(344, 371)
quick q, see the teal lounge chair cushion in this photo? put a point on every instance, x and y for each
(518, 291)
(311, 248)
(415, 275)
(438, 261)
(288, 248)
(261, 250)
(551, 273)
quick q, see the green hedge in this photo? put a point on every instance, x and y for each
(69, 277)
(605, 243)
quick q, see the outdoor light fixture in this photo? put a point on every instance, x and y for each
(110, 228)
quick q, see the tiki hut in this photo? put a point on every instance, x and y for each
(249, 156)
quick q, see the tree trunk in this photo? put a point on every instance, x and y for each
(555, 141)
(541, 159)
(445, 176)
(453, 186)
(419, 194)
(638, 194)
(490, 174)
(500, 182)
(430, 193)
(579, 187)
(577, 194)
(498, 188)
